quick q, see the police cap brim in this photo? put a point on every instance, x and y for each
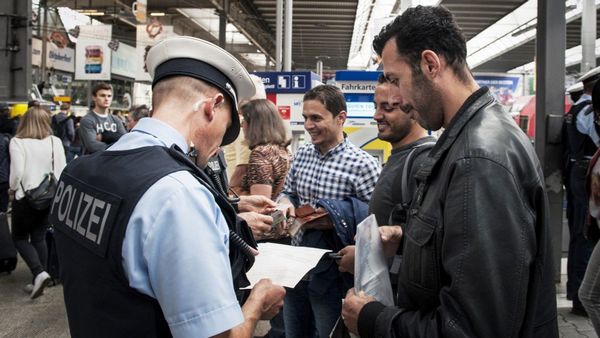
(200, 59)
(591, 75)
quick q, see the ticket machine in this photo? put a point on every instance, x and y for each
(359, 89)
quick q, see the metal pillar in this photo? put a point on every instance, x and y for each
(44, 5)
(278, 35)
(320, 68)
(287, 60)
(550, 107)
(15, 50)
(588, 35)
(223, 24)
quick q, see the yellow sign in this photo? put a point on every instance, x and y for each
(62, 99)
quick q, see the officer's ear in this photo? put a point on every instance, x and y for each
(214, 103)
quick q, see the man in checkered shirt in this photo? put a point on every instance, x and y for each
(330, 168)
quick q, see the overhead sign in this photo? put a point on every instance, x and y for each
(123, 61)
(287, 82)
(56, 57)
(147, 36)
(92, 53)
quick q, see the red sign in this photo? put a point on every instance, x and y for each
(285, 112)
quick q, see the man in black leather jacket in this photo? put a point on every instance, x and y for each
(477, 251)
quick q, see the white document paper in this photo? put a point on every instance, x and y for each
(284, 265)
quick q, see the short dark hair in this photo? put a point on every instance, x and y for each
(330, 96)
(101, 86)
(139, 112)
(426, 28)
(596, 97)
(265, 125)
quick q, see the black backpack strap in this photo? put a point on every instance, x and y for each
(406, 196)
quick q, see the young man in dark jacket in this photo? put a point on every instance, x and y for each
(477, 258)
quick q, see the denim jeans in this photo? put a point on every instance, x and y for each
(309, 314)
(589, 292)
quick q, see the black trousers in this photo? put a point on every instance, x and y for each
(29, 234)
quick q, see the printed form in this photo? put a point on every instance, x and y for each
(284, 265)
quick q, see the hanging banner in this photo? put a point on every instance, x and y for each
(147, 36)
(123, 61)
(56, 57)
(92, 53)
(505, 88)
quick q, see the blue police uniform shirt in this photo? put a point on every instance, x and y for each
(585, 122)
(176, 247)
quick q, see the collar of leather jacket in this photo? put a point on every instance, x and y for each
(467, 111)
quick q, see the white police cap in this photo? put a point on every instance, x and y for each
(577, 87)
(200, 59)
(591, 75)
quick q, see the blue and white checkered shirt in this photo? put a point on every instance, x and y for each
(346, 170)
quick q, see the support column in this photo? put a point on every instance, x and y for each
(550, 107)
(320, 68)
(287, 61)
(15, 50)
(588, 35)
(223, 24)
(278, 35)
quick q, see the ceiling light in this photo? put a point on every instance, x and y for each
(95, 13)
(157, 14)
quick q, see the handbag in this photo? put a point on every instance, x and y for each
(40, 197)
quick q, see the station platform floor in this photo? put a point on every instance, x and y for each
(46, 316)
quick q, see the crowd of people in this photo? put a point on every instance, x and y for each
(146, 216)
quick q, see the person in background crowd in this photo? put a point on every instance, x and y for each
(34, 152)
(136, 114)
(589, 291)
(330, 167)
(7, 125)
(581, 142)
(269, 158)
(63, 127)
(410, 147)
(237, 154)
(477, 258)
(170, 265)
(99, 129)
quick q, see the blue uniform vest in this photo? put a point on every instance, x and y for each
(95, 198)
(580, 145)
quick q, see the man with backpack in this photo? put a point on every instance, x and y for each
(396, 184)
(64, 128)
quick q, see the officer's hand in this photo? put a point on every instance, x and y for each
(351, 307)
(391, 235)
(269, 298)
(259, 224)
(346, 263)
(99, 137)
(256, 203)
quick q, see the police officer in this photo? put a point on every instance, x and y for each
(143, 238)
(581, 143)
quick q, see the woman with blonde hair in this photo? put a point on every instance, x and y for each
(267, 139)
(34, 153)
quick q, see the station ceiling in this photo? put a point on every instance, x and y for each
(320, 28)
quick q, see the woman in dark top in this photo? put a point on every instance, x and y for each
(269, 158)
